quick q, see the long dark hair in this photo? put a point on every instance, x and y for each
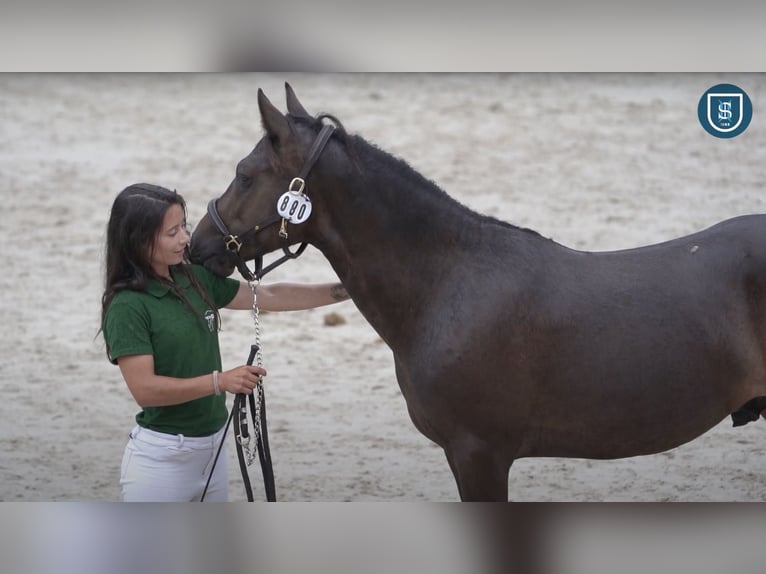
(136, 217)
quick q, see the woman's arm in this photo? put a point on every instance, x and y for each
(151, 390)
(289, 296)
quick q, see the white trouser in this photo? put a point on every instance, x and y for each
(159, 467)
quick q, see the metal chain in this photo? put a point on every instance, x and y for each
(258, 363)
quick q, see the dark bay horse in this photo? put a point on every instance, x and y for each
(507, 344)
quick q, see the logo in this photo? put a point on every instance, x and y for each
(210, 318)
(725, 111)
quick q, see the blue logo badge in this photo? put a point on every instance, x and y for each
(725, 111)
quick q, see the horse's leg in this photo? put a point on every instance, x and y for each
(481, 474)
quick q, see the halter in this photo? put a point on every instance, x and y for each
(234, 242)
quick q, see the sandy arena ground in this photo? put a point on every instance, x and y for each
(597, 162)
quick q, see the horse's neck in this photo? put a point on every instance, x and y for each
(389, 241)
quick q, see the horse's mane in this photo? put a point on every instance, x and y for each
(377, 161)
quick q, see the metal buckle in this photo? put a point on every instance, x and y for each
(232, 239)
(301, 185)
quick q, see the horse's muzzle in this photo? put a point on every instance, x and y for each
(218, 261)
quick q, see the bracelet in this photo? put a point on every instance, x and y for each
(216, 386)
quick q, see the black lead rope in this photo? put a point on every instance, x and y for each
(242, 435)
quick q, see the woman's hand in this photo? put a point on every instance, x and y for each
(240, 379)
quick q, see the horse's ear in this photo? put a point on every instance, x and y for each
(274, 122)
(293, 105)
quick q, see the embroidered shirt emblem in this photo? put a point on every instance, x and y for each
(210, 318)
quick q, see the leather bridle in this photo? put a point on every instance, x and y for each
(234, 242)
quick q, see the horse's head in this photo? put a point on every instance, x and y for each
(267, 205)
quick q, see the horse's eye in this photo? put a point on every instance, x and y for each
(244, 180)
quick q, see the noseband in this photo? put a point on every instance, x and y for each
(234, 242)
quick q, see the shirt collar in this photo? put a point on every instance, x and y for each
(161, 289)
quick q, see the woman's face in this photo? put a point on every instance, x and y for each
(171, 241)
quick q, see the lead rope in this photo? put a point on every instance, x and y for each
(259, 397)
(258, 408)
(245, 453)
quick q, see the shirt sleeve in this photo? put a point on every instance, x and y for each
(127, 331)
(221, 289)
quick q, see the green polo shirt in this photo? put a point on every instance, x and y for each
(184, 344)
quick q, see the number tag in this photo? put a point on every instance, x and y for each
(294, 207)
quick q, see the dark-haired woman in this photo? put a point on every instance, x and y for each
(160, 323)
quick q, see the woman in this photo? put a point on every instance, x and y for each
(160, 322)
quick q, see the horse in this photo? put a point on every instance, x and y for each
(507, 344)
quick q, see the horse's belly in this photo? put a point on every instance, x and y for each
(604, 397)
(619, 437)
